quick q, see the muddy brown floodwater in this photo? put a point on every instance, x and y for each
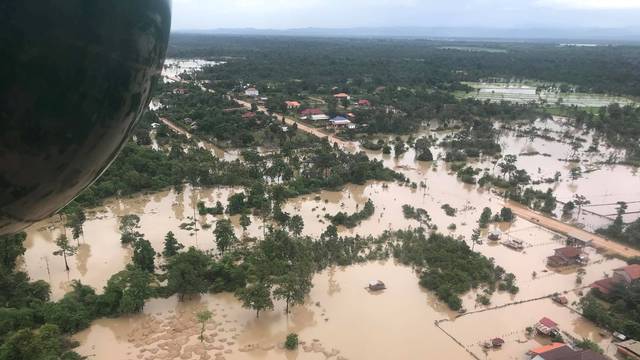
(340, 320)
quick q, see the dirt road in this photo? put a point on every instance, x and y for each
(570, 230)
(176, 128)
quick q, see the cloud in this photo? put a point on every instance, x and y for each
(590, 4)
(283, 14)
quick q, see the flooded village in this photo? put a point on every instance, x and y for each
(377, 307)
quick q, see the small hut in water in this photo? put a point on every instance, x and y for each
(497, 342)
(494, 343)
(514, 244)
(376, 285)
(495, 235)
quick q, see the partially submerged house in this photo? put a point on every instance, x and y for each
(629, 349)
(547, 326)
(558, 351)
(567, 256)
(562, 300)
(627, 274)
(624, 276)
(514, 244)
(495, 235)
(545, 348)
(376, 285)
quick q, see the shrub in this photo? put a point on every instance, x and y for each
(292, 341)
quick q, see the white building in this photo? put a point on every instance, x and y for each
(252, 92)
(319, 117)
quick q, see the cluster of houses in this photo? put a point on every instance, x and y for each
(559, 351)
(314, 114)
(622, 277)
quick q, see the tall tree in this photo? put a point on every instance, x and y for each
(293, 286)
(245, 221)
(485, 218)
(296, 224)
(187, 272)
(580, 201)
(75, 221)
(11, 247)
(65, 249)
(225, 237)
(508, 165)
(129, 225)
(256, 296)
(171, 245)
(126, 292)
(423, 153)
(475, 237)
(144, 255)
(288, 261)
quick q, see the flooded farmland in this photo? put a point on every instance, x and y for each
(340, 319)
(525, 93)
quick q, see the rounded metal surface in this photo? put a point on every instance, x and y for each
(75, 76)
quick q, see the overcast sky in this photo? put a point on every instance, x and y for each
(285, 14)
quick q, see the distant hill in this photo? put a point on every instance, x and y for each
(597, 35)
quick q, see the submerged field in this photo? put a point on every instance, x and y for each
(526, 92)
(340, 319)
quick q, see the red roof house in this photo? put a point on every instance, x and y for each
(567, 353)
(364, 102)
(342, 96)
(546, 348)
(308, 112)
(249, 115)
(569, 255)
(622, 276)
(292, 104)
(546, 326)
(628, 274)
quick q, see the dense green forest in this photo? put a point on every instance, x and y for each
(368, 63)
